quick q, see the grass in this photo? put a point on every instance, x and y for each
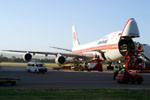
(23, 64)
(12, 64)
(74, 94)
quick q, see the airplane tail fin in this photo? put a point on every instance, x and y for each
(75, 38)
(130, 29)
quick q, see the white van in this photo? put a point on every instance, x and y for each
(36, 67)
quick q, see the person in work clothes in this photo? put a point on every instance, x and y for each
(115, 72)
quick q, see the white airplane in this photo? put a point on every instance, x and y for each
(108, 48)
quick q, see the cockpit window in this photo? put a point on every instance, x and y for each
(119, 34)
(102, 41)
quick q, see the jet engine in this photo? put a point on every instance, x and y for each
(60, 60)
(27, 57)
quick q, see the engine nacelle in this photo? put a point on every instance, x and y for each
(27, 57)
(60, 60)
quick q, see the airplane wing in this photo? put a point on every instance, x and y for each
(75, 55)
(61, 48)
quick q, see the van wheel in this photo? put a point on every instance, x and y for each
(35, 71)
(28, 70)
(43, 72)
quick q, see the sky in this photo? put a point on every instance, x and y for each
(38, 24)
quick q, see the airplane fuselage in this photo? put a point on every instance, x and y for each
(109, 48)
(108, 45)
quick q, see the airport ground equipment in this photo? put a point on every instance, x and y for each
(126, 78)
(132, 58)
(78, 66)
(132, 62)
(10, 81)
(62, 68)
(89, 67)
(138, 59)
(93, 65)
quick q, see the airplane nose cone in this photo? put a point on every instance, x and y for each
(130, 29)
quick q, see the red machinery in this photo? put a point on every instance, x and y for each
(132, 62)
(126, 78)
(91, 66)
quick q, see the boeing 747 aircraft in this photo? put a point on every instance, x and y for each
(108, 48)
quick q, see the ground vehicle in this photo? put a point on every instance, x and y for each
(88, 67)
(36, 67)
(127, 77)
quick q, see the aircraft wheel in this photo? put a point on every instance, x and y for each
(89, 70)
(139, 81)
(126, 80)
(76, 69)
(81, 69)
(28, 70)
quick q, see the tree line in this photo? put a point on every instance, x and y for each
(16, 59)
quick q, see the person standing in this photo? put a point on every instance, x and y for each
(115, 72)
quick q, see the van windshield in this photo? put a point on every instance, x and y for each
(40, 65)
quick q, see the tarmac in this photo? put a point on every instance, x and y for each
(66, 79)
